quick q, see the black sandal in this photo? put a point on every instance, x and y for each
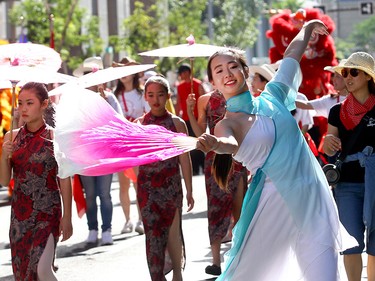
(213, 270)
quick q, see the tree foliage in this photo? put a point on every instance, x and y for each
(292, 5)
(76, 33)
(343, 48)
(140, 31)
(167, 22)
(234, 21)
(187, 17)
(363, 36)
(236, 24)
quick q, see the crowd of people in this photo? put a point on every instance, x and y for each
(266, 190)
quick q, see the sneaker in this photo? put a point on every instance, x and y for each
(128, 227)
(107, 237)
(213, 270)
(93, 237)
(139, 228)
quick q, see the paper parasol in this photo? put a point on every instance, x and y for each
(190, 50)
(28, 62)
(92, 139)
(102, 76)
(29, 54)
(5, 84)
(38, 74)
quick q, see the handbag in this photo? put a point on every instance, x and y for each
(332, 171)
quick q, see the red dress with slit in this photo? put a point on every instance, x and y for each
(159, 196)
(36, 204)
(219, 202)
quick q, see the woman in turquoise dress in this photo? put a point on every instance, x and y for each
(289, 227)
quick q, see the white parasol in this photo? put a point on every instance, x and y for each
(23, 74)
(183, 51)
(102, 76)
(190, 50)
(29, 62)
(29, 54)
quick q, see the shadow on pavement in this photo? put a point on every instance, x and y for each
(7, 278)
(80, 248)
(198, 215)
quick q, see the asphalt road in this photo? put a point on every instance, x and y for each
(126, 258)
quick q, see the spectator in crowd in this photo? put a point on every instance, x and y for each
(351, 131)
(188, 85)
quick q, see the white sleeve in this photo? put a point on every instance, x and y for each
(289, 73)
(304, 116)
(323, 105)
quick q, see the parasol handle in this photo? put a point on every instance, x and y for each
(191, 76)
(14, 83)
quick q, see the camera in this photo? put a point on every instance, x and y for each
(332, 172)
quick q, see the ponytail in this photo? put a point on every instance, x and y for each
(49, 114)
(221, 168)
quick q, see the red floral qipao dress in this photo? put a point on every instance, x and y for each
(36, 205)
(219, 202)
(159, 195)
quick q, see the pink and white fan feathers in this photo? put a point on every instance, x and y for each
(92, 139)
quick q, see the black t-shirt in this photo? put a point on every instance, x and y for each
(352, 171)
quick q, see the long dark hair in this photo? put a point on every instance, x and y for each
(222, 164)
(41, 92)
(221, 168)
(371, 86)
(136, 85)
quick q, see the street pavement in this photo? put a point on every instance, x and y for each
(126, 258)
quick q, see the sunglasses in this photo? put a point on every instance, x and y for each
(352, 71)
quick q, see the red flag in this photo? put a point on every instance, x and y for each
(78, 196)
(52, 40)
(131, 174)
(52, 33)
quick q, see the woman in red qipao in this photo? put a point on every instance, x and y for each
(223, 206)
(160, 193)
(37, 218)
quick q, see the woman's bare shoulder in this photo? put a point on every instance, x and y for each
(179, 123)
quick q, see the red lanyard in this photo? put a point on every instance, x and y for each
(124, 101)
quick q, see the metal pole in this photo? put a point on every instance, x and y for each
(210, 24)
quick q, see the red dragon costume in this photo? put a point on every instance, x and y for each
(320, 52)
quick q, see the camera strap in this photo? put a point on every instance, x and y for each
(341, 157)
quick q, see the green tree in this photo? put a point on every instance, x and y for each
(76, 33)
(343, 48)
(363, 36)
(167, 22)
(236, 24)
(141, 31)
(292, 5)
(187, 17)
